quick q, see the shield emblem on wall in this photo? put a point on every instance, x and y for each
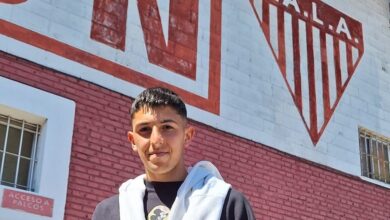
(317, 49)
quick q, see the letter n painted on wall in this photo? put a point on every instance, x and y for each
(177, 54)
(174, 48)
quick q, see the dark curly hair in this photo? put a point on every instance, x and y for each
(157, 97)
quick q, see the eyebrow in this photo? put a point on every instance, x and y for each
(168, 121)
(162, 122)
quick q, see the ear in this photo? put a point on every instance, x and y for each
(130, 137)
(189, 134)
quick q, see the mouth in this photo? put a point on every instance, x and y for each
(158, 157)
(157, 154)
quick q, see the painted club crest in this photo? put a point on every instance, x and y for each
(317, 49)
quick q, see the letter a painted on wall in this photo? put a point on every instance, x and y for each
(317, 49)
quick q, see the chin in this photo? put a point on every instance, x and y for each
(158, 169)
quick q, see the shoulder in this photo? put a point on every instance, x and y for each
(236, 207)
(108, 209)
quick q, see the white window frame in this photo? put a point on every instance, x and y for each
(56, 115)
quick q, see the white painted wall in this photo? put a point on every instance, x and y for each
(255, 102)
(56, 114)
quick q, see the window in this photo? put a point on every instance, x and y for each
(374, 155)
(18, 142)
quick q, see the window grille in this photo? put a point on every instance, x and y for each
(374, 155)
(18, 147)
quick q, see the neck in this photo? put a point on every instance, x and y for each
(178, 175)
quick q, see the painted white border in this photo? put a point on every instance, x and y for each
(57, 115)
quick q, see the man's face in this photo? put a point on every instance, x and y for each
(159, 136)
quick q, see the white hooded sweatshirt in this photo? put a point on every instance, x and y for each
(200, 197)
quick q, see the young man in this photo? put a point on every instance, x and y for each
(168, 190)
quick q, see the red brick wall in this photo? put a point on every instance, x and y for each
(279, 186)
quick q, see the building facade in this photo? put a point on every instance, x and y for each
(290, 100)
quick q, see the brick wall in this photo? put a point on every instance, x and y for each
(278, 185)
(237, 65)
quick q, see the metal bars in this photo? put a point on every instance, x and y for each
(374, 155)
(18, 152)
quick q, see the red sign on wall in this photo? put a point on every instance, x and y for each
(27, 202)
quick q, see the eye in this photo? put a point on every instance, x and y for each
(144, 130)
(167, 127)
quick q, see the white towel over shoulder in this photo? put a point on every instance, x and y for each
(200, 197)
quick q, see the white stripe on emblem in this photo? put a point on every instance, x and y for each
(318, 77)
(343, 62)
(304, 71)
(273, 28)
(331, 70)
(259, 8)
(289, 51)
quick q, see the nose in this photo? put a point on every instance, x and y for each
(156, 138)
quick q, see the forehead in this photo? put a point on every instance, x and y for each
(156, 114)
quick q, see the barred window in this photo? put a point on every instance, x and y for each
(18, 145)
(374, 155)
